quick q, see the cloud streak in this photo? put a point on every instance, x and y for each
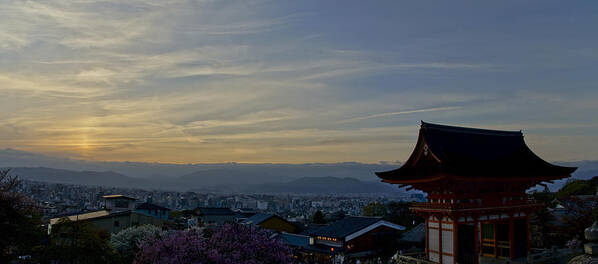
(210, 81)
(424, 110)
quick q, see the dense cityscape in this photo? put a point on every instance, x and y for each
(59, 199)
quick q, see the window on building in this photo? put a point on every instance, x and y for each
(121, 203)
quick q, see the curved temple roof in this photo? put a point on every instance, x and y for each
(448, 151)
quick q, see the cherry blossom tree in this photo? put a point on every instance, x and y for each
(230, 244)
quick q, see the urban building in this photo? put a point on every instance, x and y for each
(118, 214)
(215, 216)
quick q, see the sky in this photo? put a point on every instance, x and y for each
(292, 81)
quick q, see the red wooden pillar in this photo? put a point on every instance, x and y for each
(495, 241)
(427, 239)
(440, 254)
(455, 240)
(511, 240)
(476, 241)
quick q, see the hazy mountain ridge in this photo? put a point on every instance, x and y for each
(105, 178)
(265, 177)
(270, 172)
(324, 185)
(317, 185)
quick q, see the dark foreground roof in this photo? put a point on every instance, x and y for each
(295, 240)
(302, 242)
(472, 152)
(415, 235)
(345, 226)
(151, 206)
(256, 219)
(214, 211)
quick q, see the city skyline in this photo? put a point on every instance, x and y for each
(292, 82)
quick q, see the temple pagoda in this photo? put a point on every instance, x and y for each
(476, 180)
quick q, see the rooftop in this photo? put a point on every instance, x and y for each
(472, 153)
(349, 225)
(256, 219)
(115, 196)
(151, 206)
(214, 211)
(81, 216)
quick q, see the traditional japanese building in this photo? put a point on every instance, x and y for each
(271, 222)
(352, 239)
(476, 180)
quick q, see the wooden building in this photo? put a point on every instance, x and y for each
(119, 213)
(215, 216)
(118, 202)
(153, 210)
(271, 222)
(476, 180)
(347, 240)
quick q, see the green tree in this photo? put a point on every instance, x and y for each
(577, 187)
(20, 225)
(399, 213)
(539, 227)
(318, 218)
(581, 213)
(546, 197)
(78, 242)
(374, 209)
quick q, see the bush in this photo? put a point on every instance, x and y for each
(127, 242)
(231, 244)
(577, 187)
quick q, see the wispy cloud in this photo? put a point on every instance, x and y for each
(259, 81)
(424, 110)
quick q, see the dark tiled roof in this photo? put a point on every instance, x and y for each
(310, 229)
(345, 226)
(256, 219)
(151, 206)
(295, 240)
(472, 152)
(302, 242)
(76, 213)
(416, 234)
(214, 211)
(245, 210)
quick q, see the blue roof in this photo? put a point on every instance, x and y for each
(345, 226)
(151, 206)
(256, 219)
(214, 211)
(415, 234)
(295, 240)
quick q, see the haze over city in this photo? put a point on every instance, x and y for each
(292, 82)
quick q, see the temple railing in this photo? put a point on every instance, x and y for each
(411, 258)
(483, 204)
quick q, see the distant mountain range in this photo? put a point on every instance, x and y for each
(348, 177)
(207, 182)
(324, 185)
(211, 174)
(105, 178)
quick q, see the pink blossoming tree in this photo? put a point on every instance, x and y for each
(231, 244)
